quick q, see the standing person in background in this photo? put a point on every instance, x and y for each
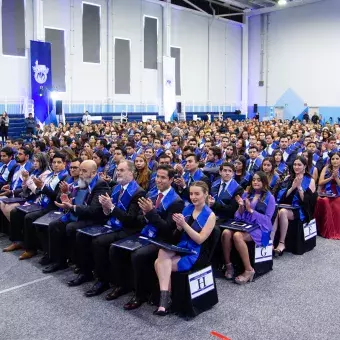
(30, 124)
(86, 118)
(4, 122)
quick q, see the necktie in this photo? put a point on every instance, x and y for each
(121, 192)
(3, 169)
(224, 184)
(191, 180)
(251, 164)
(267, 150)
(159, 200)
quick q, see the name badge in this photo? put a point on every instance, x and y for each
(309, 230)
(201, 282)
(264, 254)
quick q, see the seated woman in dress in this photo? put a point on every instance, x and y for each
(281, 168)
(257, 208)
(311, 168)
(143, 174)
(327, 212)
(150, 157)
(197, 222)
(41, 170)
(298, 190)
(242, 177)
(268, 167)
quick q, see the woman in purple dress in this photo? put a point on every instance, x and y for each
(257, 207)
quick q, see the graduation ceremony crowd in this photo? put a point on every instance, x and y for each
(173, 182)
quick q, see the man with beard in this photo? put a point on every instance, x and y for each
(82, 209)
(121, 211)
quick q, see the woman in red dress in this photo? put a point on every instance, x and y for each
(327, 212)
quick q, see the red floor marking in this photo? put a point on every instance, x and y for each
(218, 335)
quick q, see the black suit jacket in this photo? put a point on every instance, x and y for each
(93, 209)
(163, 221)
(131, 223)
(185, 193)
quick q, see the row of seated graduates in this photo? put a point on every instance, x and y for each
(95, 259)
(177, 184)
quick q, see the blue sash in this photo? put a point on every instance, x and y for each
(5, 174)
(132, 157)
(149, 230)
(196, 176)
(52, 184)
(274, 181)
(296, 202)
(282, 167)
(228, 192)
(328, 186)
(158, 152)
(17, 183)
(79, 199)
(151, 164)
(246, 179)
(315, 158)
(123, 203)
(197, 225)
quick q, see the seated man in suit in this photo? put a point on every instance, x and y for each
(223, 192)
(8, 166)
(192, 174)
(157, 210)
(254, 162)
(22, 227)
(214, 160)
(288, 157)
(83, 209)
(121, 210)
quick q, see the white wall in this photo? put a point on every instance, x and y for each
(303, 52)
(211, 56)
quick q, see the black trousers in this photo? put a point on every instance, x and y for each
(93, 254)
(62, 239)
(23, 229)
(139, 265)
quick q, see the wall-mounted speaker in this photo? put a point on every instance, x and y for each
(179, 107)
(59, 107)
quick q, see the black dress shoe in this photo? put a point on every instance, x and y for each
(98, 288)
(54, 267)
(115, 293)
(79, 280)
(134, 303)
(45, 260)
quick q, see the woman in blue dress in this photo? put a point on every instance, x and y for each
(196, 224)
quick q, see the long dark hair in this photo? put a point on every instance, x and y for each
(330, 166)
(43, 162)
(272, 162)
(243, 160)
(304, 162)
(102, 156)
(265, 185)
(309, 159)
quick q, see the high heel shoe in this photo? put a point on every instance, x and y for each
(165, 302)
(247, 276)
(229, 273)
(278, 252)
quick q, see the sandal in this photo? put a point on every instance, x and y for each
(247, 276)
(165, 302)
(279, 252)
(229, 273)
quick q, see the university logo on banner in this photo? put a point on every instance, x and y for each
(40, 73)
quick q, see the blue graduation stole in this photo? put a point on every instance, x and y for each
(151, 164)
(79, 199)
(246, 178)
(111, 168)
(52, 184)
(158, 152)
(315, 158)
(274, 181)
(149, 230)
(328, 186)
(196, 176)
(281, 169)
(296, 198)
(5, 173)
(17, 183)
(197, 225)
(100, 169)
(121, 203)
(132, 157)
(228, 192)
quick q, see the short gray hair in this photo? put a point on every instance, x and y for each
(131, 165)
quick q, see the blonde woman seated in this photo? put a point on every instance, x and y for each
(197, 222)
(41, 170)
(258, 208)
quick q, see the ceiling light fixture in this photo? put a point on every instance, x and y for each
(282, 2)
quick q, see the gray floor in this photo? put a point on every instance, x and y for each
(298, 300)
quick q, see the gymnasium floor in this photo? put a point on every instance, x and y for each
(298, 300)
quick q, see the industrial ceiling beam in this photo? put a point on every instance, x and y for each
(195, 6)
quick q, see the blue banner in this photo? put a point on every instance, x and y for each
(41, 79)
